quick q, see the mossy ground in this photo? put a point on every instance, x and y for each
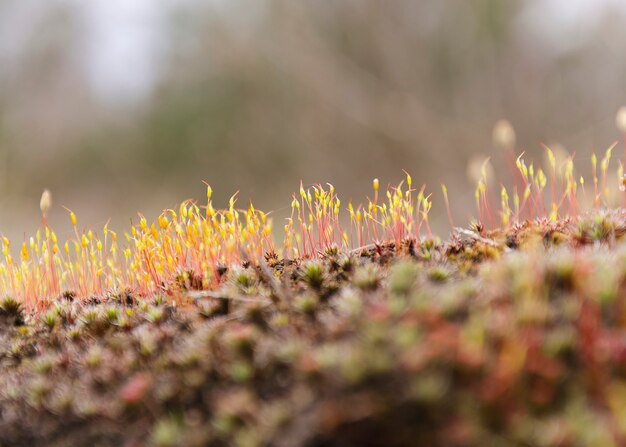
(511, 338)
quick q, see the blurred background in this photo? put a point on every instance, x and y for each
(119, 106)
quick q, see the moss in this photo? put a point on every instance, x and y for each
(313, 274)
(367, 277)
(438, 274)
(50, 319)
(307, 303)
(402, 277)
(11, 307)
(166, 433)
(436, 348)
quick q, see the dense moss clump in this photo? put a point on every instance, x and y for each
(513, 338)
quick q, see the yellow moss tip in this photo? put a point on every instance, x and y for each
(73, 218)
(376, 184)
(551, 158)
(46, 202)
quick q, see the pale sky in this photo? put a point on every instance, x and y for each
(120, 49)
(562, 25)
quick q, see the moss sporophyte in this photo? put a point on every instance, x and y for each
(151, 256)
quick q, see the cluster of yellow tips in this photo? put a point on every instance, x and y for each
(400, 215)
(153, 256)
(553, 190)
(146, 259)
(316, 224)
